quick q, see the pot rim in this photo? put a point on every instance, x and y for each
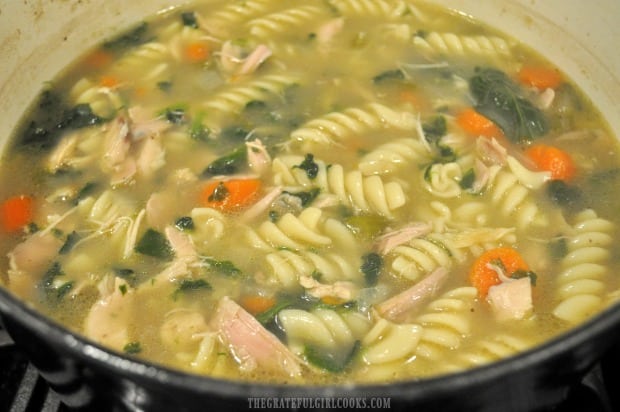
(81, 348)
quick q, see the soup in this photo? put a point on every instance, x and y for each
(326, 192)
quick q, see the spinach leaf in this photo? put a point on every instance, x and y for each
(331, 362)
(155, 244)
(269, 315)
(72, 239)
(501, 100)
(371, 267)
(189, 19)
(133, 37)
(305, 197)
(228, 164)
(435, 128)
(224, 267)
(132, 348)
(185, 223)
(309, 166)
(389, 76)
(191, 285)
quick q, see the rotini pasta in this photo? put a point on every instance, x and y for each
(385, 8)
(435, 43)
(581, 283)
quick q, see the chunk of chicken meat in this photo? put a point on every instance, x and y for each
(108, 320)
(399, 307)
(250, 343)
(512, 299)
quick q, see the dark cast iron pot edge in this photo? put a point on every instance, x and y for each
(88, 376)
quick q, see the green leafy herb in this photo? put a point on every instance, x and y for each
(224, 267)
(127, 274)
(305, 197)
(558, 248)
(331, 362)
(197, 130)
(228, 164)
(435, 128)
(367, 226)
(518, 274)
(372, 263)
(134, 37)
(164, 86)
(155, 244)
(175, 114)
(189, 19)
(123, 289)
(565, 195)
(185, 223)
(389, 76)
(234, 133)
(86, 190)
(309, 166)
(71, 240)
(269, 315)
(500, 99)
(55, 270)
(468, 179)
(219, 193)
(132, 348)
(64, 289)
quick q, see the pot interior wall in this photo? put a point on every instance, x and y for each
(38, 39)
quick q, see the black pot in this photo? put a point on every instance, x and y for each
(89, 377)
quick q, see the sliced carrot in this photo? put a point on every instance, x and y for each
(477, 124)
(482, 276)
(413, 99)
(256, 304)
(332, 300)
(109, 81)
(230, 195)
(17, 212)
(197, 52)
(552, 159)
(99, 59)
(540, 77)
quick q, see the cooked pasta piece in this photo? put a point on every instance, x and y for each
(581, 283)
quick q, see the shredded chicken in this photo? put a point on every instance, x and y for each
(181, 244)
(512, 299)
(35, 254)
(262, 205)
(400, 306)
(340, 289)
(107, 321)
(258, 157)
(385, 243)
(250, 343)
(329, 30)
(233, 61)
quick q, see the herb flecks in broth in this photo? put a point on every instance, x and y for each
(364, 192)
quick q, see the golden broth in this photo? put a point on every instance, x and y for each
(310, 162)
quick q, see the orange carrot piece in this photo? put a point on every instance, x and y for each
(16, 212)
(483, 277)
(477, 124)
(332, 300)
(109, 81)
(197, 52)
(412, 98)
(540, 77)
(230, 195)
(98, 59)
(552, 159)
(256, 304)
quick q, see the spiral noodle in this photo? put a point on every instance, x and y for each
(445, 323)
(421, 256)
(337, 126)
(389, 157)
(461, 45)
(308, 230)
(287, 266)
(232, 14)
(443, 180)
(103, 101)
(513, 200)
(323, 328)
(209, 224)
(366, 194)
(581, 283)
(285, 20)
(488, 350)
(390, 343)
(149, 62)
(384, 8)
(232, 99)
